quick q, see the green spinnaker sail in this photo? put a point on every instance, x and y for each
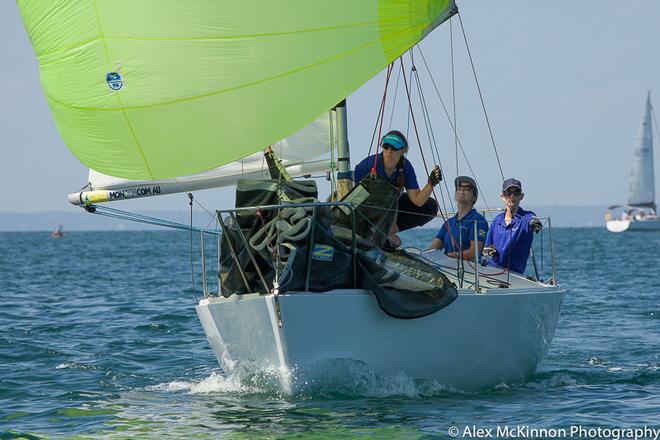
(151, 89)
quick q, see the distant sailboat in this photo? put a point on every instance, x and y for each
(640, 212)
(58, 233)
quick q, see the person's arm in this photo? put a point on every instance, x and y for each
(419, 197)
(359, 172)
(439, 239)
(436, 244)
(534, 223)
(489, 236)
(468, 254)
(490, 247)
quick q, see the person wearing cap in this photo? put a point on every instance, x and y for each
(457, 235)
(510, 237)
(416, 207)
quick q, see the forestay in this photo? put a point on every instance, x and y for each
(153, 90)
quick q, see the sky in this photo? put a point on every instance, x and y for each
(563, 82)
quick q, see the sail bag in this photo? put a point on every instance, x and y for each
(301, 243)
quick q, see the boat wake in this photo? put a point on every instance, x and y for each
(348, 378)
(351, 379)
(254, 382)
(327, 379)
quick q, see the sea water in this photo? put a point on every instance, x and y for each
(99, 338)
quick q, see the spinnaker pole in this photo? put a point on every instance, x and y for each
(134, 190)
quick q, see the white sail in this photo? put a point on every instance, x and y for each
(299, 154)
(642, 182)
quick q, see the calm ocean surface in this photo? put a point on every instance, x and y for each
(99, 338)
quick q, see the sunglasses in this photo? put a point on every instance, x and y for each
(465, 188)
(513, 192)
(388, 147)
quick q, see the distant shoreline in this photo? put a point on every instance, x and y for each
(562, 217)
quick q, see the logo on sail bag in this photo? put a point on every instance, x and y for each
(323, 252)
(114, 80)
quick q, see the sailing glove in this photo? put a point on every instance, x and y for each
(435, 176)
(490, 251)
(535, 224)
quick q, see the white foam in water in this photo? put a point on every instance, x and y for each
(337, 377)
(245, 380)
(327, 378)
(64, 365)
(75, 365)
(354, 378)
(215, 383)
(554, 381)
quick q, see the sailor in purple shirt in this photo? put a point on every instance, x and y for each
(510, 235)
(416, 207)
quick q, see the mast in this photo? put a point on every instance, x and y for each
(345, 173)
(642, 180)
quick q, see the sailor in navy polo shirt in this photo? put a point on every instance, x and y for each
(511, 234)
(456, 236)
(416, 207)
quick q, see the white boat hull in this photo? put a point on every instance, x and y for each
(633, 225)
(477, 342)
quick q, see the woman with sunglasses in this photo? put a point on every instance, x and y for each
(456, 236)
(510, 236)
(416, 207)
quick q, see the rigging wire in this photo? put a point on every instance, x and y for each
(655, 123)
(429, 129)
(421, 150)
(481, 98)
(192, 265)
(380, 127)
(460, 144)
(381, 114)
(453, 92)
(333, 159)
(141, 218)
(396, 92)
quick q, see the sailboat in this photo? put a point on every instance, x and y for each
(186, 97)
(640, 213)
(58, 233)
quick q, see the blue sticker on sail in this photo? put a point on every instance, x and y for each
(323, 252)
(114, 80)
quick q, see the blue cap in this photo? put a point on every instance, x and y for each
(395, 139)
(511, 183)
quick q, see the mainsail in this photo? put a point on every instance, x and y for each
(148, 90)
(642, 181)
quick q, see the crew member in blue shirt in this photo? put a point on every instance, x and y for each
(416, 207)
(510, 236)
(457, 236)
